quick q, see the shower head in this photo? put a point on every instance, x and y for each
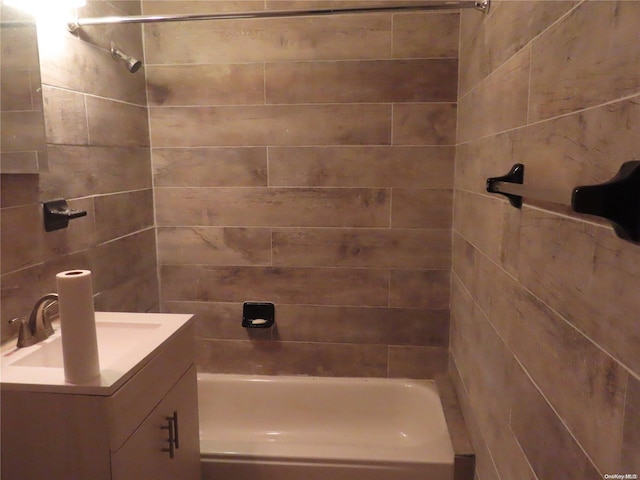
(132, 64)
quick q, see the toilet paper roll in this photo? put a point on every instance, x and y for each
(78, 326)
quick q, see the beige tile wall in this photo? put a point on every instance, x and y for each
(98, 147)
(307, 162)
(545, 329)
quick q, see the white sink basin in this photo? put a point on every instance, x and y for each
(114, 338)
(125, 341)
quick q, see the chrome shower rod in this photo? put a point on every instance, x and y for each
(74, 25)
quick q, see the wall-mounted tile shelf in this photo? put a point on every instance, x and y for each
(617, 200)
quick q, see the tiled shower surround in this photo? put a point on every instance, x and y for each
(310, 162)
(307, 162)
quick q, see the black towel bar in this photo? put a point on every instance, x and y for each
(617, 200)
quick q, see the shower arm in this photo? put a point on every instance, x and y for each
(78, 23)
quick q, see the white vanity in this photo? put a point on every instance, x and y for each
(138, 421)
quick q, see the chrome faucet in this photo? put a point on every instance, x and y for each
(38, 326)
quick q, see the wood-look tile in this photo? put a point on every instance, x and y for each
(319, 286)
(574, 284)
(589, 400)
(170, 7)
(417, 362)
(227, 84)
(376, 81)
(413, 167)
(78, 171)
(370, 325)
(139, 293)
(426, 35)
(269, 40)
(463, 260)
(83, 64)
(273, 207)
(121, 214)
(421, 208)
(381, 248)
(488, 41)
(471, 211)
(22, 240)
(500, 104)
(117, 124)
(209, 167)
(543, 436)
(22, 131)
(214, 320)
(424, 124)
(214, 246)
(420, 289)
(117, 261)
(271, 125)
(65, 117)
(292, 358)
(17, 90)
(19, 43)
(630, 456)
(569, 73)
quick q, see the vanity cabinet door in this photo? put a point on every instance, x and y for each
(143, 455)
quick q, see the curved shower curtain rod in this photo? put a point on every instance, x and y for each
(75, 25)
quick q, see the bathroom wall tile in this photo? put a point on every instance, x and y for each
(463, 260)
(117, 261)
(271, 125)
(417, 362)
(268, 40)
(573, 284)
(592, 72)
(500, 103)
(225, 84)
(508, 27)
(18, 190)
(83, 64)
(169, 7)
(22, 131)
(139, 293)
(426, 35)
(432, 80)
(21, 237)
(127, 7)
(396, 248)
(413, 167)
(542, 435)
(17, 89)
(630, 458)
(23, 54)
(469, 211)
(66, 121)
(117, 124)
(484, 467)
(369, 325)
(273, 207)
(120, 214)
(292, 358)
(591, 399)
(421, 208)
(424, 124)
(214, 246)
(210, 167)
(419, 289)
(319, 286)
(328, 324)
(78, 171)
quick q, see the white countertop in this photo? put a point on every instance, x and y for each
(126, 342)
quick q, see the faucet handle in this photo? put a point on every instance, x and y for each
(25, 337)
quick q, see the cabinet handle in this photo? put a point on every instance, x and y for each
(176, 437)
(171, 440)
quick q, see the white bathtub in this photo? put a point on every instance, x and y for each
(313, 428)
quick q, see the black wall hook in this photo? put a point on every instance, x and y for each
(57, 214)
(617, 200)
